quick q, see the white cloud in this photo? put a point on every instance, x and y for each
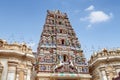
(90, 8)
(98, 16)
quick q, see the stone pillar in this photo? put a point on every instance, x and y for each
(21, 75)
(103, 74)
(11, 70)
(28, 73)
(20, 72)
(25, 74)
(1, 69)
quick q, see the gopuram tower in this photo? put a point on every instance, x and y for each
(59, 52)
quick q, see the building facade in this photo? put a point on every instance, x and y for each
(15, 61)
(59, 52)
(59, 56)
(105, 64)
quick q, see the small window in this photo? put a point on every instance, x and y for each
(62, 41)
(60, 23)
(52, 21)
(64, 58)
(60, 30)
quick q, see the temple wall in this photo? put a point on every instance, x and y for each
(13, 71)
(105, 65)
(15, 61)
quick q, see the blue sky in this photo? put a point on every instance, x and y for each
(96, 22)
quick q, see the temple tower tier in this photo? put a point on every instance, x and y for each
(59, 50)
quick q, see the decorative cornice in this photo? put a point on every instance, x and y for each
(16, 53)
(15, 50)
(15, 46)
(12, 63)
(104, 55)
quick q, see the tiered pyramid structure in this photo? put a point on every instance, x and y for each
(59, 50)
